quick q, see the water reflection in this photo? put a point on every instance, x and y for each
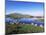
(25, 21)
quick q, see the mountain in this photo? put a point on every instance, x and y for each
(17, 15)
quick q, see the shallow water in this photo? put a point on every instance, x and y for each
(25, 20)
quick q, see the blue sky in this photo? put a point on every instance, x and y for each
(29, 8)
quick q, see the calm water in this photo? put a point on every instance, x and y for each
(25, 20)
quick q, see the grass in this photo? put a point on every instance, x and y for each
(31, 28)
(23, 28)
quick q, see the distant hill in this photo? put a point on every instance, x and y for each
(17, 15)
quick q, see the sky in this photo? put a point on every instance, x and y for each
(29, 8)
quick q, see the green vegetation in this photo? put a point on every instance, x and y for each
(22, 28)
(31, 28)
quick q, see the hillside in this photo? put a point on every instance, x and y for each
(17, 15)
